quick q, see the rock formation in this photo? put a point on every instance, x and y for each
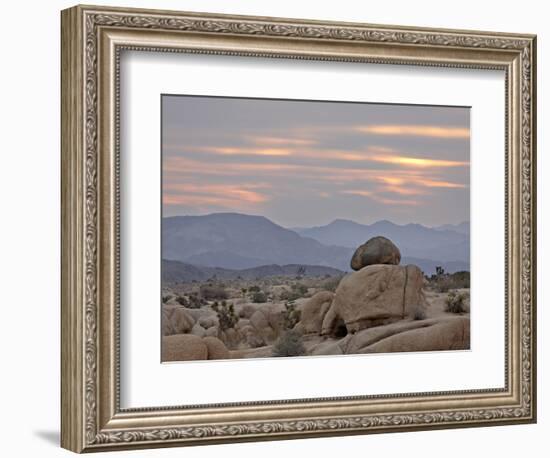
(176, 320)
(189, 347)
(313, 313)
(379, 307)
(373, 296)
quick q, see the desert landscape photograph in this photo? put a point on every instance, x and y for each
(298, 228)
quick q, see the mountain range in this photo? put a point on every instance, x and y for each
(236, 241)
(413, 240)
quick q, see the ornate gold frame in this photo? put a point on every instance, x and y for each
(92, 38)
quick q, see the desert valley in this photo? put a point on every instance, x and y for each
(240, 286)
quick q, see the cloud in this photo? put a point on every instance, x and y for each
(441, 184)
(380, 198)
(416, 130)
(221, 195)
(279, 141)
(418, 162)
(244, 151)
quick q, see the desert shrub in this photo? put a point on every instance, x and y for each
(259, 297)
(300, 289)
(287, 295)
(443, 282)
(254, 289)
(291, 315)
(166, 298)
(460, 279)
(181, 300)
(195, 301)
(289, 344)
(226, 315)
(455, 302)
(213, 292)
(419, 313)
(331, 283)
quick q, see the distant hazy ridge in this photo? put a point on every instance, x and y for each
(235, 241)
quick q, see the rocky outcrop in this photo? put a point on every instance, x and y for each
(216, 348)
(445, 333)
(176, 320)
(374, 296)
(377, 250)
(183, 347)
(189, 347)
(313, 312)
(198, 330)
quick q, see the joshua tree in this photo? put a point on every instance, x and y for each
(226, 315)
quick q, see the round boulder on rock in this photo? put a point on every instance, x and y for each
(377, 250)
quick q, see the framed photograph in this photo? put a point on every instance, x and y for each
(278, 228)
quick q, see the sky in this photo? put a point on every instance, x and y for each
(307, 163)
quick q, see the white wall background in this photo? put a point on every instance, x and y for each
(29, 241)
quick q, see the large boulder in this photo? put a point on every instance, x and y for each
(252, 336)
(198, 330)
(183, 347)
(176, 320)
(212, 332)
(313, 312)
(275, 314)
(375, 295)
(246, 310)
(259, 320)
(377, 250)
(207, 321)
(216, 348)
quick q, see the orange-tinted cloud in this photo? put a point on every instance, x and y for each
(441, 184)
(280, 141)
(233, 151)
(209, 194)
(416, 130)
(359, 192)
(417, 180)
(380, 198)
(418, 162)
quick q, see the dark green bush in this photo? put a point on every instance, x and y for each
(289, 295)
(289, 344)
(299, 289)
(181, 300)
(444, 282)
(213, 292)
(419, 313)
(455, 302)
(195, 301)
(259, 297)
